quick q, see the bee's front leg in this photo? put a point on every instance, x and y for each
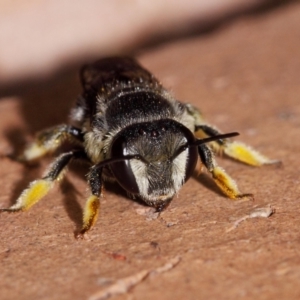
(92, 206)
(221, 178)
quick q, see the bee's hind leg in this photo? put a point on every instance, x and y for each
(234, 149)
(49, 140)
(40, 188)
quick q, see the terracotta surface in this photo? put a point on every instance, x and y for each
(244, 77)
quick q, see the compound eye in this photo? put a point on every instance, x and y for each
(191, 162)
(192, 156)
(122, 170)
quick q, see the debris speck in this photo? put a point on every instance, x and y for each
(115, 255)
(149, 212)
(123, 285)
(260, 212)
(155, 245)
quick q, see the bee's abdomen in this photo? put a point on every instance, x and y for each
(115, 73)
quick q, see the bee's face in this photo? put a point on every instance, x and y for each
(158, 173)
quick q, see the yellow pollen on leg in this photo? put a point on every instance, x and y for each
(91, 212)
(36, 190)
(225, 183)
(33, 152)
(246, 154)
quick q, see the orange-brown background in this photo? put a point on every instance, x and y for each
(244, 75)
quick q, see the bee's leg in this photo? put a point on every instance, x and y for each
(233, 149)
(92, 206)
(49, 140)
(221, 178)
(40, 188)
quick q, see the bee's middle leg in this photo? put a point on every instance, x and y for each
(40, 187)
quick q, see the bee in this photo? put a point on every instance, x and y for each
(131, 130)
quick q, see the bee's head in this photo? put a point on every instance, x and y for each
(157, 170)
(152, 160)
